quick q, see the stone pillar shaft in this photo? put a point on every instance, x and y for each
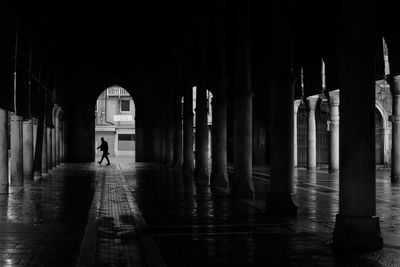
(242, 184)
(58, 138)
(334, 131)
(49, 148)
(312, 133)
(44, 151)
(35, 127)
(178, 157)
(201, 144)
(27, 129)
(357, 226)
(394, 82)
(16, 151)
(170, 135)
(296, 108)
(163, 137)
(281, 90)
(188, 156)
(201, 170)
(53, 147)
(3, 151)
(219, 175)
(279, 200)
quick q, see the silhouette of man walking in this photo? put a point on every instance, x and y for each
(104, 147)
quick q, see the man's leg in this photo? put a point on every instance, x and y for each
(101, 160)
(107, 160)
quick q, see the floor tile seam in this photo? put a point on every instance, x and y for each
(151, 252)
(113, 186)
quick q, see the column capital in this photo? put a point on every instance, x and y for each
(334, 98)
(394, 82)
(312, 102)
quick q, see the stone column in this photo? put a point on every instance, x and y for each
(3, 151)
(53, 146)
(27, 134)
(49, 148)
(16, 151)
(65, 137)
(296, 108)
(242, 183)
(156, 144)
(62, 160)
(169, 146)
(357, 226)
(201, 144)
(312, 133)
(178, 133)
(334, 100)
(163, 138)
(44, 151)
(219, 175)
(34, 131)
(394, 82)
(56, 138)
(188, 156)
(281, 82)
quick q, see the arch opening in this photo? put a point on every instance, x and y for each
(115, 122)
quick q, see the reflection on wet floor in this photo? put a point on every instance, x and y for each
(194, 228)
(43, 223)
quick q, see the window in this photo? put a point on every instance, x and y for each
(126, 137)
(125, 106)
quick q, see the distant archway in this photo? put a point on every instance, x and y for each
(115, 121)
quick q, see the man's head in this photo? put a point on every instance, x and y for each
(102, 139)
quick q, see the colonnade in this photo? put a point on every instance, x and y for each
(20, 150)
(357, 226)
(333, 121)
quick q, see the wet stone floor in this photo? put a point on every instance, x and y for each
(191, 227)
(42, 223)
(139, 214)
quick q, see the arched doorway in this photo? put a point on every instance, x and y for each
(115, 122)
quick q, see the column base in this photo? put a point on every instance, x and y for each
(201, 177)
(4, 189)
(219, 179)
(280, 204)
(244, 189)
(394, 178)
(356, 233)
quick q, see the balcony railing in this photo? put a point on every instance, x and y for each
(117, 91)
